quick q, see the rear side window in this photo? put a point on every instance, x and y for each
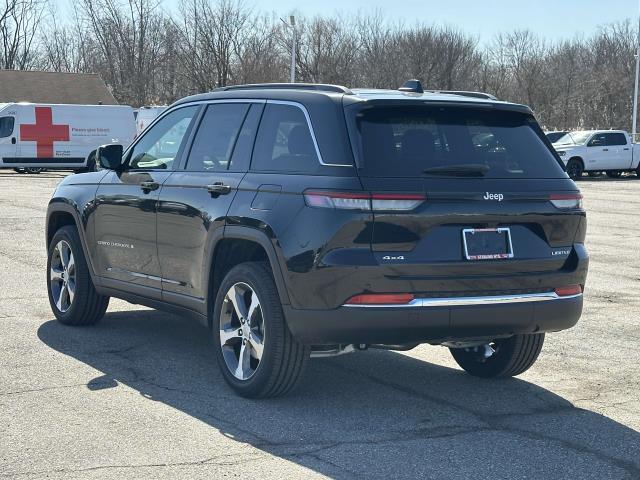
(399, 141)
(284, 142)
(614, 139)
(216, 137)
(6, 126)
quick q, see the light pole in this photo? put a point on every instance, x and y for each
(635, 90)
(292, 25)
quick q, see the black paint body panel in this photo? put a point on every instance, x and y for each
(322, 257)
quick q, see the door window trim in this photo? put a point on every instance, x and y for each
(185, 142)
(192, 136)
(304, 110)
(609, 135)
(310, 126)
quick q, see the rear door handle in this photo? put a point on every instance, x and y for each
(149, 186)
(625, 149)
(218, 188)
(605, 149)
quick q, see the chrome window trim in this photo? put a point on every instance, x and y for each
(266, 101)
(310, 125)
(233, 100)
(465, 301)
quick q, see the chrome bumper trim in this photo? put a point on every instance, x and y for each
(462, 301)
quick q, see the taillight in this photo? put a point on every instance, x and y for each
(381, 299)
(568, 291)
(565, 201)
(363, 200)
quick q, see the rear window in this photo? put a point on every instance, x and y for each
(399, 141)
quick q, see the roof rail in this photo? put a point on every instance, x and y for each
(464, 93)
(322, 87)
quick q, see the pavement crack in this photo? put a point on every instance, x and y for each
(224, 459)
(43, 389)
(495, 422)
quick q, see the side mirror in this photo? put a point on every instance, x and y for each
(110, 156)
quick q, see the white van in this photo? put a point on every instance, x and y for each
(146, 115)
(38, 136)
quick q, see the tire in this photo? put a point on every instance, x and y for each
(512, 356)
(593, 174)
(34, 170)
(614, 174)
(86, 306)
(278, 368)
(575, 169)
(19, 170)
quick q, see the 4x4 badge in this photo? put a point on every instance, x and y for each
(389, 257)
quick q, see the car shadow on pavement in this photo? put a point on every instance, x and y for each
(373, 414)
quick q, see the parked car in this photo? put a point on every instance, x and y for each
(146, 115)
(38, 136)
(301, 220)
(610, 151)
(555, 136)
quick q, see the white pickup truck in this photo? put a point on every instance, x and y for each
(610, 151)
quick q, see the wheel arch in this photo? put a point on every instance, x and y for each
(60, 214)
(239, 245)
(579, 159)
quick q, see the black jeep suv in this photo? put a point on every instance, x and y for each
(301, 220)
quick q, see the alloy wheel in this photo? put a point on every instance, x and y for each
(242, 331)
(62, 275)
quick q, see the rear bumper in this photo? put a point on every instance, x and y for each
(436, 320)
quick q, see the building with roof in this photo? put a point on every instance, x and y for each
(54, 87)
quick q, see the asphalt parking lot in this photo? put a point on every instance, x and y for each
(140, 396)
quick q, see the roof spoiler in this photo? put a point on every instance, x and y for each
(415, 86)
(465, 93)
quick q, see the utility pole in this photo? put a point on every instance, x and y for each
(635, 90)
(292, 25)
(293, 50)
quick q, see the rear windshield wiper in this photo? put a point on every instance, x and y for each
(461, 170)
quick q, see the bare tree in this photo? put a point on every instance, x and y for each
(19, 22)
(147, 56)
(212, 34)
(327, 50)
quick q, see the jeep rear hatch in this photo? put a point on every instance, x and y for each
(477, 169)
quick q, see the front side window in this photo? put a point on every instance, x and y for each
(6, 126)
(599, 140)
(284, 142)
(158, 148)
(216, 138)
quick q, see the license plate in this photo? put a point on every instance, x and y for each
(487, 243)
